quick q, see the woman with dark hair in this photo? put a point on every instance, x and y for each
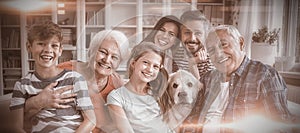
(166, 36)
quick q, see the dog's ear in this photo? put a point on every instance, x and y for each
(194, 79)
(171, 74)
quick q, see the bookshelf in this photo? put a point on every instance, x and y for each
(11, 67)
(94, 19)
(66, 15)
(81, 20)
(15, 60)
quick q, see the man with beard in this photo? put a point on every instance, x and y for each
(193, 32)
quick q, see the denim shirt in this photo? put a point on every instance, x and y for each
(254, 88)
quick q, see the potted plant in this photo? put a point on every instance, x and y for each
(263, 47)
(265, 36)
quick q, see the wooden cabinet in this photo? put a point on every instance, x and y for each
(81, 20)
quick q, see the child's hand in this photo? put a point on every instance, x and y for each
(50, 98)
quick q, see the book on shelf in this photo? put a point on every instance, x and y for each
(12, 62)
(95, 17)
(9, 83)
(16, 39)
(5, 42)
(10, 72)
(11, 41)
(11, 38)
(68, 36)
(31, 65)
(89, 38)
(100, 17)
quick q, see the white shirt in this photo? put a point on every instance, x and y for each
(142, 111)
(216, 110)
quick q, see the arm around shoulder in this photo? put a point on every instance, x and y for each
(88, 123)
(18, 120)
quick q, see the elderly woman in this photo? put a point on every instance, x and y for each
(107, 50)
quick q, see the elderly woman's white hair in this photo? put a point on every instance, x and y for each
(118, 36)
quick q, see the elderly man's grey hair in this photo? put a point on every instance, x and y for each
(229, 29)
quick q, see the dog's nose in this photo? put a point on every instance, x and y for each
(182, 94)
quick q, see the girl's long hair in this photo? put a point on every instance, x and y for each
(158, 85)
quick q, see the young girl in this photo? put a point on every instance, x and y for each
(134, 106)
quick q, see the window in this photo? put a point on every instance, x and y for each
(291, 27)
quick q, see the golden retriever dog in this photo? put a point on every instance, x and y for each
(178, 99)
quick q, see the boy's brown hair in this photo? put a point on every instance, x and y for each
(44, 31)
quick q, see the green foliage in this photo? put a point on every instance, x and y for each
(263, 35)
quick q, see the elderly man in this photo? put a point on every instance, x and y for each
(239, 88)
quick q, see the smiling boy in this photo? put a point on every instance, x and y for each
(44, 44)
